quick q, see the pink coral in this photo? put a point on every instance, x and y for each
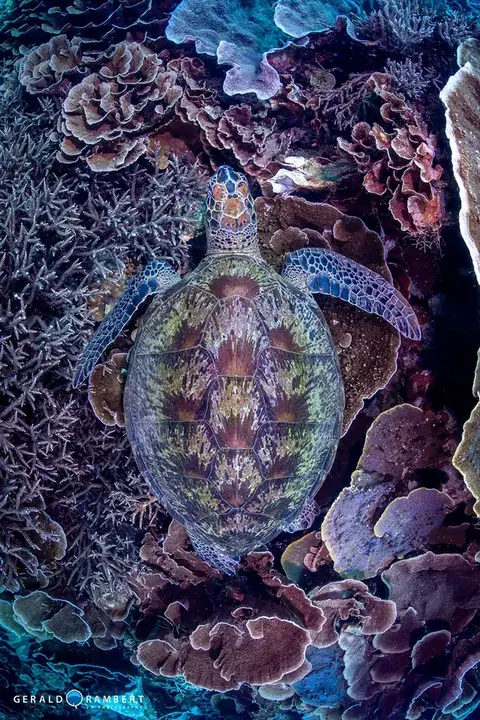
(106, 118)
(399, 161)
(350, 601)
(253, 139)
(47, 68)
(259, 651)
(439, 587)
(258, 636)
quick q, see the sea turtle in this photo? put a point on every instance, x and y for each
(234, 398)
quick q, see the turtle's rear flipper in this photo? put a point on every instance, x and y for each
(156, 277)
(328, 272)
(226, 564)
(305, 518)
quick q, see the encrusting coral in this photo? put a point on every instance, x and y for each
(105, 389)
(397, 514)
(243, 35)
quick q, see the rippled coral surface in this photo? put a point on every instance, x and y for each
(113, 114)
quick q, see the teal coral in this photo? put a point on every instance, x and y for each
(325, 685)
(242, 34)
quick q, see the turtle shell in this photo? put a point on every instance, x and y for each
(234, 401)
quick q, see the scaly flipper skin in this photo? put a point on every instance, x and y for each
(305, 517)
(156, 277)
(226, 564)
(328, 272)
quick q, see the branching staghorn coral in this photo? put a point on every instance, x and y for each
(456, 26)
(343, 105)
(406, 22)
(59, 234)
(410, 76)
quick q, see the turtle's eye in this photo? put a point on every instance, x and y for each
(242, 189)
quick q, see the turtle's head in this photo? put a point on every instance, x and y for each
(231, 221)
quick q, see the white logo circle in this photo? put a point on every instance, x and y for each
(74, 698)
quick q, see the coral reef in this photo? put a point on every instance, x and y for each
(243, 622)
(106, 117)
(110, 126)
(410, 21)
(253, 140)
(400, 161)
(244, 34)
(23, 22)
(46, 69)
(343, 105)
(59, 235)
(410, 77)
(397, 515)
(461, 96)
(105, 389)
(238, 34)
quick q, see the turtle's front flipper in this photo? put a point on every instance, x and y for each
(212, 556)
(328, 272)
(156, 277)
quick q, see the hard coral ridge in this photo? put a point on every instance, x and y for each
(244, 34)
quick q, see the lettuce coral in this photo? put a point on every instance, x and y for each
(397, 159)
(106, 117)
(100, 22)
(47, 69)
(242, 34)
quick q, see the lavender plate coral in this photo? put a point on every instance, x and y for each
(239, 429)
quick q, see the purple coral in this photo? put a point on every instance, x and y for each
(106, 117)
(63, 477)
(99, 22)
(398, 161)
(46, 69)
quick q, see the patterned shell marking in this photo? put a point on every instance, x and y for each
(234, 401)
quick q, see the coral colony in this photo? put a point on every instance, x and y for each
(355, 126)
